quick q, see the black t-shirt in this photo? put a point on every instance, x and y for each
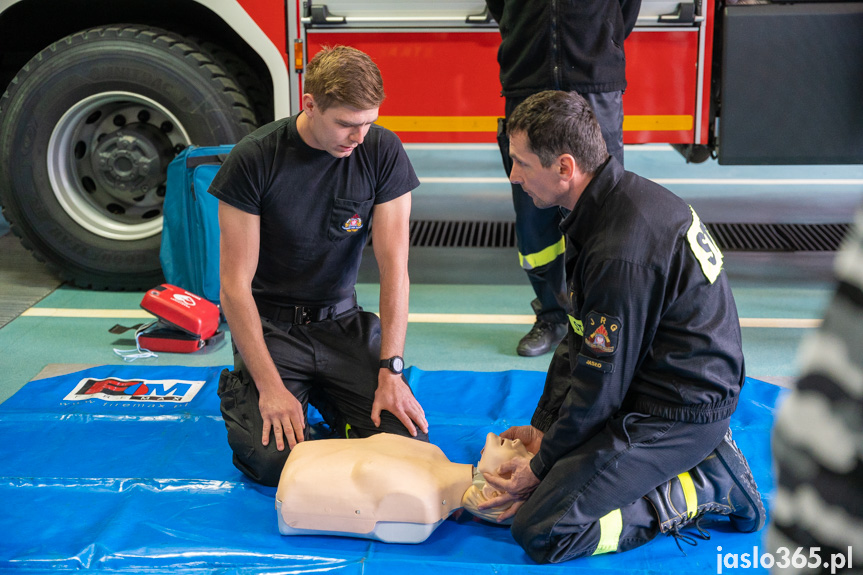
(315, 208)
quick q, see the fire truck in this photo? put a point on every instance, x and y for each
(100, 95)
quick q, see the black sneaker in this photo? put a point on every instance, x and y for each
(542, 338)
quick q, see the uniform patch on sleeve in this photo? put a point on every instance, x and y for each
(603, 366)
(601, 333)
(704, 248)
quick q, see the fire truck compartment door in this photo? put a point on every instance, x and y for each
(455, 13)
(792, 84)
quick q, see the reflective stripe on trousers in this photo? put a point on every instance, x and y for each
(544, 257)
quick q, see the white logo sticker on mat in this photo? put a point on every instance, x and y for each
(135, 390)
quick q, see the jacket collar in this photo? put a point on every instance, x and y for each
(578, 225)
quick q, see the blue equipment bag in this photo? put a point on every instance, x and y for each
(190, 233)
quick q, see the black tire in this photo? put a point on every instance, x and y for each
(694, 153)
(89, 126)
(258, 90)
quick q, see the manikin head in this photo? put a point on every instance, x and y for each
(556, 147)
(343, 92)
(497, 451)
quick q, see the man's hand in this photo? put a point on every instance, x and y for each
(283, 414)
(514, 481)
(530, 436)
(394, 395)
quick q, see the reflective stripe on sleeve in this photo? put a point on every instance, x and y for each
(577, 325)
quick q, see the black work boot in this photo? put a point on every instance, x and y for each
(542, 338)
(722, 484)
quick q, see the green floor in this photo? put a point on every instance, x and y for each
(32, 341)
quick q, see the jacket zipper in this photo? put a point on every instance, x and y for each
(555, 46)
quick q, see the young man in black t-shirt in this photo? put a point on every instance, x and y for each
(296, 201)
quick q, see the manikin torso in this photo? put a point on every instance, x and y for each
(385, 487)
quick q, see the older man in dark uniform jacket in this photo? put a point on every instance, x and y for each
(631, 433)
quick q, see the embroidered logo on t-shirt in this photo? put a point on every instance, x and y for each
(601, 333)
(354, 224)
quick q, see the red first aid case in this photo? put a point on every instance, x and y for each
(182, 310)
(158, 337)
(186, 321)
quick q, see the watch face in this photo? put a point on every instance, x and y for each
(398, 364)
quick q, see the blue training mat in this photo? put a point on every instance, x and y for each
(147, 485)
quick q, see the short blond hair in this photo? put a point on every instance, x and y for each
(346, 76)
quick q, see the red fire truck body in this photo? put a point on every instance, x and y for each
(441, 74)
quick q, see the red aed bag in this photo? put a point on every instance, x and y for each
(182, 310)
(185, 323)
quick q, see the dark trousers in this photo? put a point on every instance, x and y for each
(632, 455)
(537, 230)
(332, 365)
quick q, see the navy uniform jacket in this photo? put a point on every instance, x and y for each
(562, 45)
(654, 328)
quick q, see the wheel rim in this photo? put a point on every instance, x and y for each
(107, 162)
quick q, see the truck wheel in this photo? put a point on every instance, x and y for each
(90, 125)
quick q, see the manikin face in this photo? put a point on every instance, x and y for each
(497, 451)
(338, 129)
(543, 185)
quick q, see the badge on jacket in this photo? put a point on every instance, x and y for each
(601, 333)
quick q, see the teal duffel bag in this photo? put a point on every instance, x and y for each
(190, 234)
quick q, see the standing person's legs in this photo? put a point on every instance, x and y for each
(608, 109)
(592, 501)
(540, 250)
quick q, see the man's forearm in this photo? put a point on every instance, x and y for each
(394, 301)
(247, 334)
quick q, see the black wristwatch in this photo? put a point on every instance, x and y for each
(395, 364)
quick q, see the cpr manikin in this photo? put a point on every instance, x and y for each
(384, 487)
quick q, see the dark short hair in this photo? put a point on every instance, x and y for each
(344, 76)
(559, 123)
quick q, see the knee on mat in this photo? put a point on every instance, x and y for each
(542, 545)
(534, 540)
(262, 465)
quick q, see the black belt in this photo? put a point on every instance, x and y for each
(305, 314)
